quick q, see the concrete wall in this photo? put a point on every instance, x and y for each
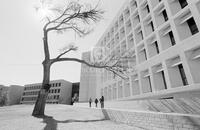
(140, 117)
(154, 120)
(84, 79)
(66, 92)
(88, 81)
(92, 85)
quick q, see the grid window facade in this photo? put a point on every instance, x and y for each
(158, 35)
(31, 92)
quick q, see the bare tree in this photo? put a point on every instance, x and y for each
(74, 17)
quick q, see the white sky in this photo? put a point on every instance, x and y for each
(21, 50)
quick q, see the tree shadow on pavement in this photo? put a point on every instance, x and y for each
(51, 123)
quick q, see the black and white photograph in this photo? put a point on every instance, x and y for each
(100, 65)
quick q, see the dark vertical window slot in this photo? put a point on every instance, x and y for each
(145, 54)
(192, 25)
(171, 36)
(142, 35)
(151, 23)
(182, 73)
(149, 80)
(148, 10)
(138, 17)
(165, 15)
(156, 45)
(164, 81)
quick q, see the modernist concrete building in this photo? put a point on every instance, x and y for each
(87, 80)
(163, 40)
(60, 92)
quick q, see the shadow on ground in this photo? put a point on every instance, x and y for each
(51, 123)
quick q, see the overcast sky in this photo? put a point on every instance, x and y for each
(21, 50)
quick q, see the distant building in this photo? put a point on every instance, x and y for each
(87, 80)
(12, 94)
(60, 92)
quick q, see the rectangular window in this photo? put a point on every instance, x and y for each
(149, 80)
(145, 54)
(138, 17)
(171, 36)
(183, 3)
(182, 73)
(151, 23)
(147, 8)
(156, 46)
(57, 96)
(141, 35)
(192, 25)
(165, 15)
(164, 81)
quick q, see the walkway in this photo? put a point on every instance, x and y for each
(59, 117)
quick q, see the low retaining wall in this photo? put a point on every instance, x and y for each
(154, 120)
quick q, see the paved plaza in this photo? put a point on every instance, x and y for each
(59, 117)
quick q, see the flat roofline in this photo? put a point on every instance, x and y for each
(52, 81)
(112, 22)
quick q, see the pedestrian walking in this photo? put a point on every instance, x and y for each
(96, 101)
(102, 101)
(90, 102)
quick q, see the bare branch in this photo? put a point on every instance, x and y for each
(115, 69)
(59, 17)
(71, 48)
(74, 12)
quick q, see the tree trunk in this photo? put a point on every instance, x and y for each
(43, 93)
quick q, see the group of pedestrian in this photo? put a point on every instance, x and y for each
(101, 100)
